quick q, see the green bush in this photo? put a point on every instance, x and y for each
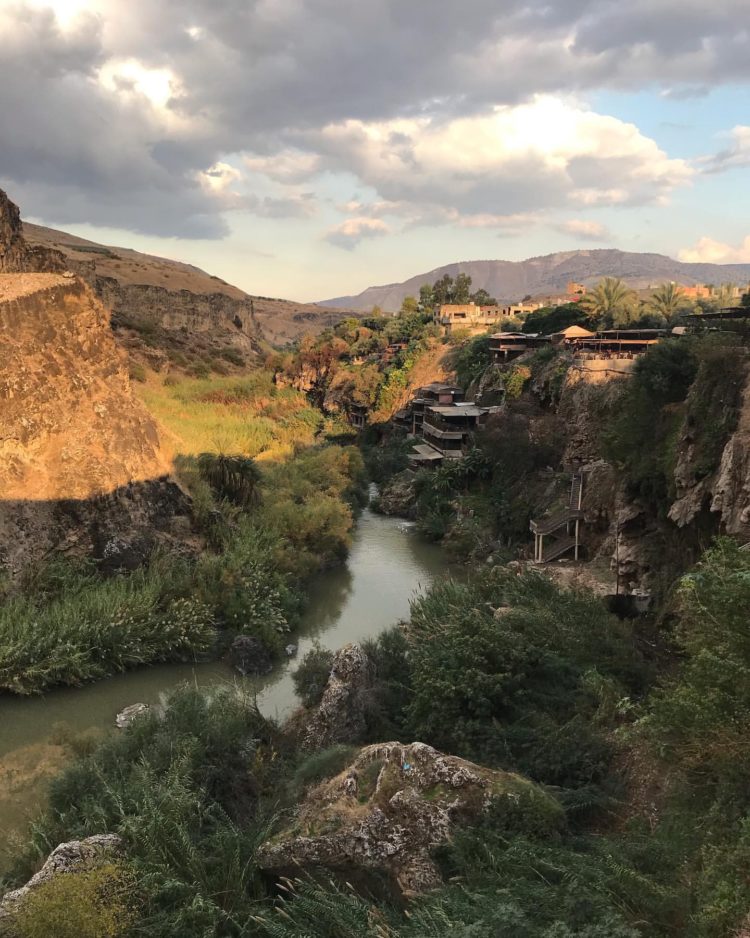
(95, 903)
(186, 792)
(321, 765)
(91, 627)
(311, 676)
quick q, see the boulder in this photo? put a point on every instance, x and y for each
(250, 656)
(125, 717)
(390, 809)
(340, 716)
(72, 857)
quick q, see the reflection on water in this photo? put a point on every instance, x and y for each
(387, 565)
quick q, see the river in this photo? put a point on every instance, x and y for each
(388, 564)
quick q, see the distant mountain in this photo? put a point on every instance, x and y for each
(180, 296)
(512, 280)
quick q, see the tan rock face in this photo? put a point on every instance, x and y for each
(390, 809)
(15, 254)
(71, 427)
(81, 466)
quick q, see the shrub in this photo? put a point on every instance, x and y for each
(311, 676)
(137, 372)
(95, 903)
(320, 765)
(236, 478)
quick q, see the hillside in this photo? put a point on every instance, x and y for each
(136, 284)
(512, 280)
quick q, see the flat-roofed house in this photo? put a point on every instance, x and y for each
(477, 319)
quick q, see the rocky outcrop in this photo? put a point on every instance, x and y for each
(73, 857)
(390, 809)
(249, 655)
(125, 717)
(16, 256)
(81, 464)
(399, 497)
(224, 321)
(726, 491)
(340, 716)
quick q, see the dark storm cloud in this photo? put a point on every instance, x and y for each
(254, 74)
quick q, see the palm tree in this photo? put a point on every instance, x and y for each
(611, 299)
(236, 478)
(726, 294)
(666, 300)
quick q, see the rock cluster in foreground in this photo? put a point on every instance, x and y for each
(390, 809)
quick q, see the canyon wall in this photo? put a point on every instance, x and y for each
(81, 465)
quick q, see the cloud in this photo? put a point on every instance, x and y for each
(508, 161)
(709, 251)
(349, 233)
(119, 106)
(735, 156)
(584, 230)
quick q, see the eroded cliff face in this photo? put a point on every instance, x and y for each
(81, 466)
(16, 255)
(624, 531)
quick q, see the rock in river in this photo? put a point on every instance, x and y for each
(340, 716)
(250, 656)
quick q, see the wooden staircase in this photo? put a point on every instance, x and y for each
(562, 529)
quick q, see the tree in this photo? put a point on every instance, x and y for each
(726, 294)
(462, 289)
(667, 299)
(611, 300)
(409, 305)
(482, 298)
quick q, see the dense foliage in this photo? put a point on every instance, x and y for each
(268, 526)
(512, 671)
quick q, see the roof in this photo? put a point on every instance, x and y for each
(439, 386)
(574, 332)
(468, 410)
(423, 451)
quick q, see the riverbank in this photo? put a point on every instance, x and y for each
(389, 563)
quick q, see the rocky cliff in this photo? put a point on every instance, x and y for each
(707, 493)
(155, 293)
(16, 254)
(81, 466)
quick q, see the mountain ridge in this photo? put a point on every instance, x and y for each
(509, 281)
(125, 272)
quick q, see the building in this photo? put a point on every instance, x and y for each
(575, 289)
(448, 428)
(442, 419)
(617, 343)
(477, 319)
(570, 335)
(505, 346)
(411, 417)
(698, 291)
(358, 416)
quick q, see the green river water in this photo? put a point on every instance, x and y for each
(388, 564)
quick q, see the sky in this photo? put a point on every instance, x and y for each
(310, 148)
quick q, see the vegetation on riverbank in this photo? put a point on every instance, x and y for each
(512, 671)
(70, 622)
